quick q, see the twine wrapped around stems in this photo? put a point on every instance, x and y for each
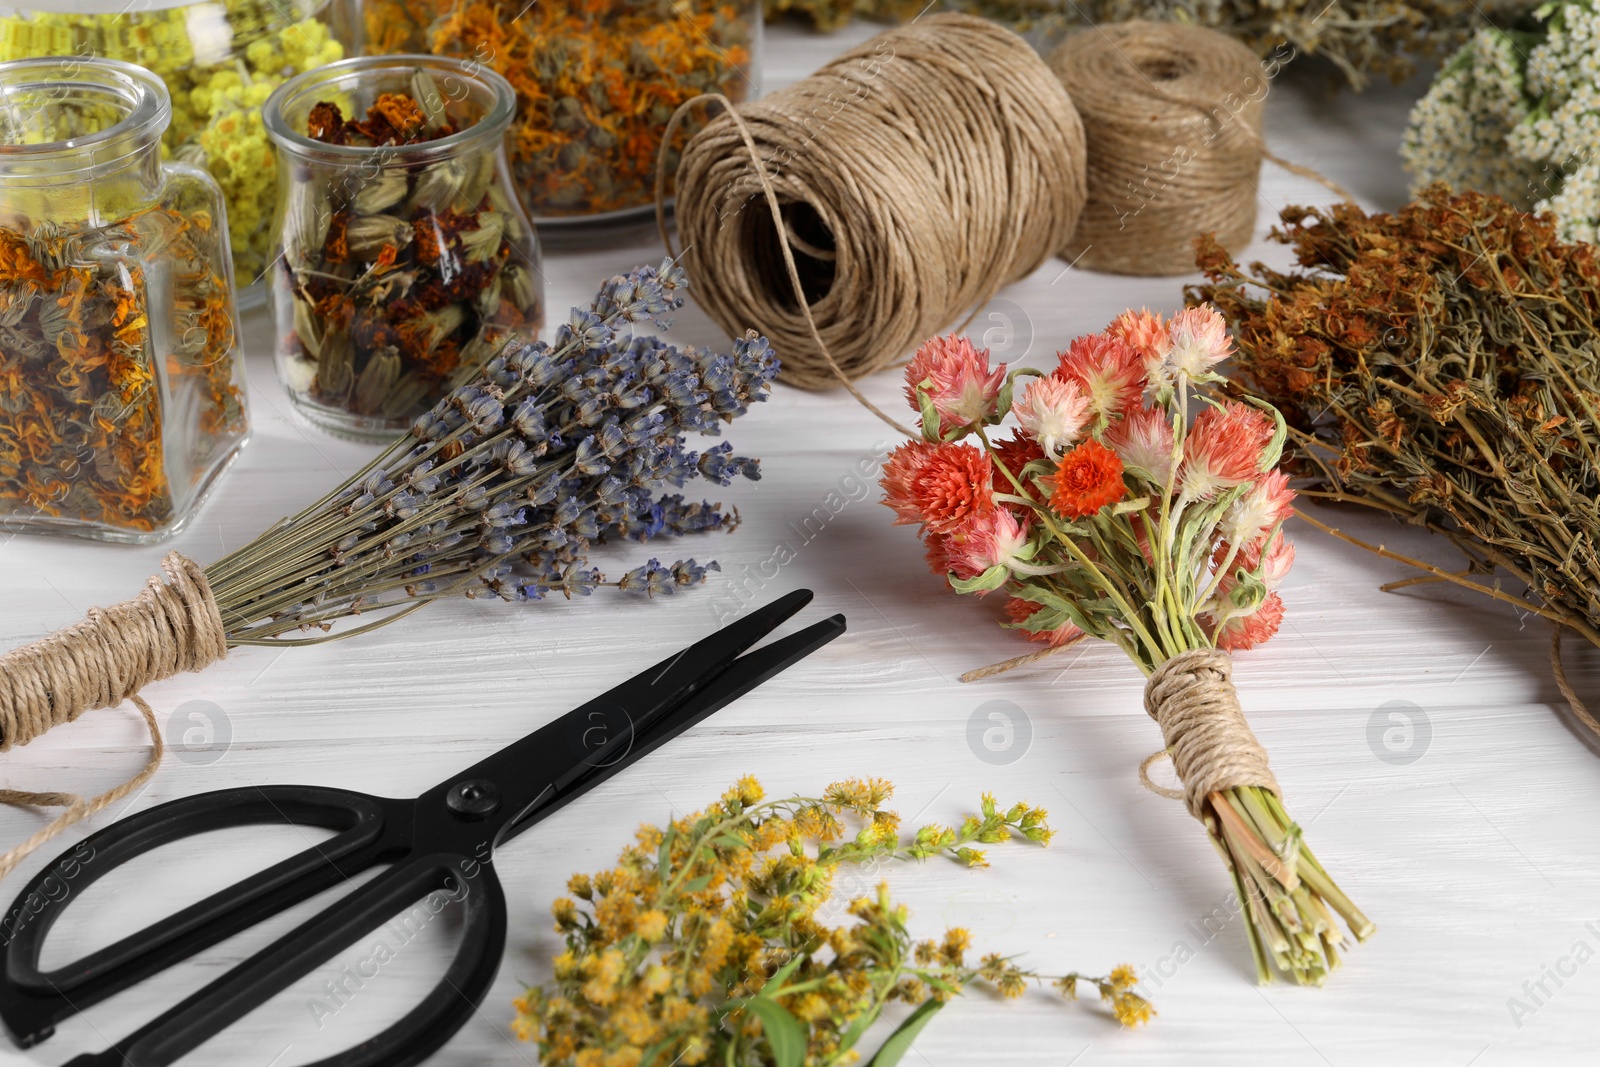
(170, 627)
(1191, 696)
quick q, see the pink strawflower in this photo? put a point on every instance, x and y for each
(991, 539)
(1279, 559)
(1143, 439)
(1267, 502)
(1054, 412)
(952, 484)
(1146, 334)
(1200, 341)
(1223, 449)
(1021, 610)
(958, 380)
(899, 471)
(1248, 631)
(1110, 372)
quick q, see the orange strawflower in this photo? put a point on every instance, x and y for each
(1090, 477)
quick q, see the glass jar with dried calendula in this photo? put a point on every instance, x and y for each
(596, 83)
(405, 258)
(121, 384)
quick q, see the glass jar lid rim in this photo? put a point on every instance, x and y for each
(149, 103)
(499, 115)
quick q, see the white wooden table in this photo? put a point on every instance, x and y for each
(1418, 736)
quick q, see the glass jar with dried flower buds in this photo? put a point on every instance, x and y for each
(121, 383)
(405, 258)
(220, 60)
(597, 82)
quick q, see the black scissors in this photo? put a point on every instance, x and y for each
(443, 840)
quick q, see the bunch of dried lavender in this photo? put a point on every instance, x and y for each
(505, 484)
(1442, 364)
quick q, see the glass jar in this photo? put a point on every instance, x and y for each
(220, 61)
(121, 383)
(400, 267)
(596, 84)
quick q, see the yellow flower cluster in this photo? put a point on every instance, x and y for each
(704, 944)
(220, 63)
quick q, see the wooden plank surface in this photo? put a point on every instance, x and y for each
(1418, 735)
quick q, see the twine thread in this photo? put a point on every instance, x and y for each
(1173, 118)
(906, 182)
(107, 658)
(1191, 696)
(1567, 692)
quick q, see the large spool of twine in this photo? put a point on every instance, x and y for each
(914, 176)
(1173, 117)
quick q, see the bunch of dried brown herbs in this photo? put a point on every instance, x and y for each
(1441, 364)
(711, 940)
(394, 278)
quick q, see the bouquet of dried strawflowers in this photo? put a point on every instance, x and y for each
(1516, 112)
(1108, 513)
(709, 943)
(499, 491)
(1441, 364)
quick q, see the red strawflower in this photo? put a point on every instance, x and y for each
(956, 378)
(1021, 610)
(898, 472)
(1090, 477)
(954, 483)
(1110, 372)
(937, 553)
(1014, 454)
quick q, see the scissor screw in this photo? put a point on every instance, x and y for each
(473, 799)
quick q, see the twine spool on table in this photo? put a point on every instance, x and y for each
(1173, 118)
(915, 175)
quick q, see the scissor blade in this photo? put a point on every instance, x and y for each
(534, 765)
(748, 671)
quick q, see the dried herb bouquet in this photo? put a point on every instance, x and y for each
(1109, 513)
(1440, 364)
(499, 491)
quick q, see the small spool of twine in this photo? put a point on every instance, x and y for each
(170, 627)
(910, 179)
(1191, 697)
(1173, 116)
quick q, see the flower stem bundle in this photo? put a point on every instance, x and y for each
(1440, 364)
(708, 942)
(500, 491)
(1108, 512)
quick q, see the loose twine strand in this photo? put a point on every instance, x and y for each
(1173, 117)
(105, 659)
(916, 175)
(1191, 696)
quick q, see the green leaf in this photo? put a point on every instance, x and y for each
(993, 578)
(785, 1036)
(696, 885)
(899, 1043)
(1136, 504)
(781, 975)
(930, 416)
(862, 1023)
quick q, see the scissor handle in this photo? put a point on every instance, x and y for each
(369, 830)
(415, 1037)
